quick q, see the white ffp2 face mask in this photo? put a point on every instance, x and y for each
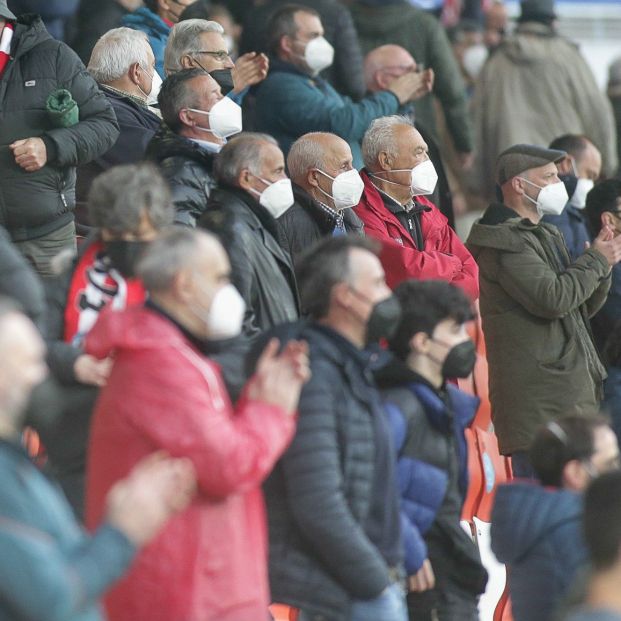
(226, 314)
(156, 85)
(578, 198)
(347, 188)
(424, 179)
(225, 118)
(474, 59)
(277, 196)
(319, 54)
(551, 200)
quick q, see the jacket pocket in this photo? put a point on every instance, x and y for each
(565, 363)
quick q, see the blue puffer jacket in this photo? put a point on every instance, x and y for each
(156, 29)
(290, 103)
(537, 533)
(432, 466)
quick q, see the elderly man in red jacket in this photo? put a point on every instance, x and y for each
(417, 241)
(210, 562)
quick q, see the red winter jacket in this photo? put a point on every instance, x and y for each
(444, 256)
(209, 563)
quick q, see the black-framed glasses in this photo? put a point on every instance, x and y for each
(220, 55)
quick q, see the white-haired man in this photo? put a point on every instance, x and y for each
(417, 241)
(200, 43)
(123, 65)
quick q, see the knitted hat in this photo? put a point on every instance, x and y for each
(4, 11)
(522, 157)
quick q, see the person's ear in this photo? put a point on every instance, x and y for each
(342, 295)
(385, 160)
(286, 44)
(607, 219)
(183, 286)
(565, 167)
(185, 118)
(244, 180)
(187, 62)
(381, 79)
(575, 476)
(312, 177)
(419, 343)
(517, 185)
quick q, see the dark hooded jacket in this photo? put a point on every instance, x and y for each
(33, 204)
(537, 533)
(188, 169)
(535, 307)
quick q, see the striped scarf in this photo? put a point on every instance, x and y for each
(5, 46)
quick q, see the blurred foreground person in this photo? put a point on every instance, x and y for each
(129, 205)
(602, 532)
(209, 564)
(536, 528)
(49, 568)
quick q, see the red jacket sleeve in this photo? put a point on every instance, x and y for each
(188, 414)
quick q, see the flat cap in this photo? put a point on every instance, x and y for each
(537, 9)
(4, 11)
(521, 157)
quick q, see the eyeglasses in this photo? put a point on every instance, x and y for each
(221, 55)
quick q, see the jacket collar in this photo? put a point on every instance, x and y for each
(146, 17)
(324, 220)
(166, 144)
(29, 31)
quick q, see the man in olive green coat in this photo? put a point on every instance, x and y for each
(536, 303)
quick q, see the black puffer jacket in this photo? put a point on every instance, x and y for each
(188, 169)
(305, 223)
(33, 204)
(319, 494)
(346, 73)
(260, 269)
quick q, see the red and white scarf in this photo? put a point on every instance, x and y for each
(6, 37)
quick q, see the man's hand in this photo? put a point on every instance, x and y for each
(251, 68)
(279, 377)
(424, 579)
(412, 85)
(156, 489)
(607, 244)
(90, 370)
(30, 153)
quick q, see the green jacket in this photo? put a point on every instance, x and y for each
(422, 35)
(535, 307)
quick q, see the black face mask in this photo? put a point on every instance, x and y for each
(224, 78)
(460, 360)
(570, 182)
(124, 255)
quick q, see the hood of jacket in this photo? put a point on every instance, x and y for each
(147, 21)
(525, 514)
(134, 329)
(167, 144)
(29, 32)
(529, 44)
(499, 229)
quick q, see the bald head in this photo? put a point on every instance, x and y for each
(314, 161)
(385, 63)
(22, 366)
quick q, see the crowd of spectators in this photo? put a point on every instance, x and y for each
(237, 323)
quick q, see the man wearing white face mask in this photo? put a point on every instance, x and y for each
(197, 122)
(209, 562)
(293, 100)
(123, 65)
(536, 303)
(253, 191)
(578, 171)
(417, 241)
(325, 186)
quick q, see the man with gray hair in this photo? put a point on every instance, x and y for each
(210, 562)
(417, 241)
(197, 121)
(129, 205)
(325, 187)
(253, 191)
(123, 65)
(200, 43)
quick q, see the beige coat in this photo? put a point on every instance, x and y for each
(533, 89)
